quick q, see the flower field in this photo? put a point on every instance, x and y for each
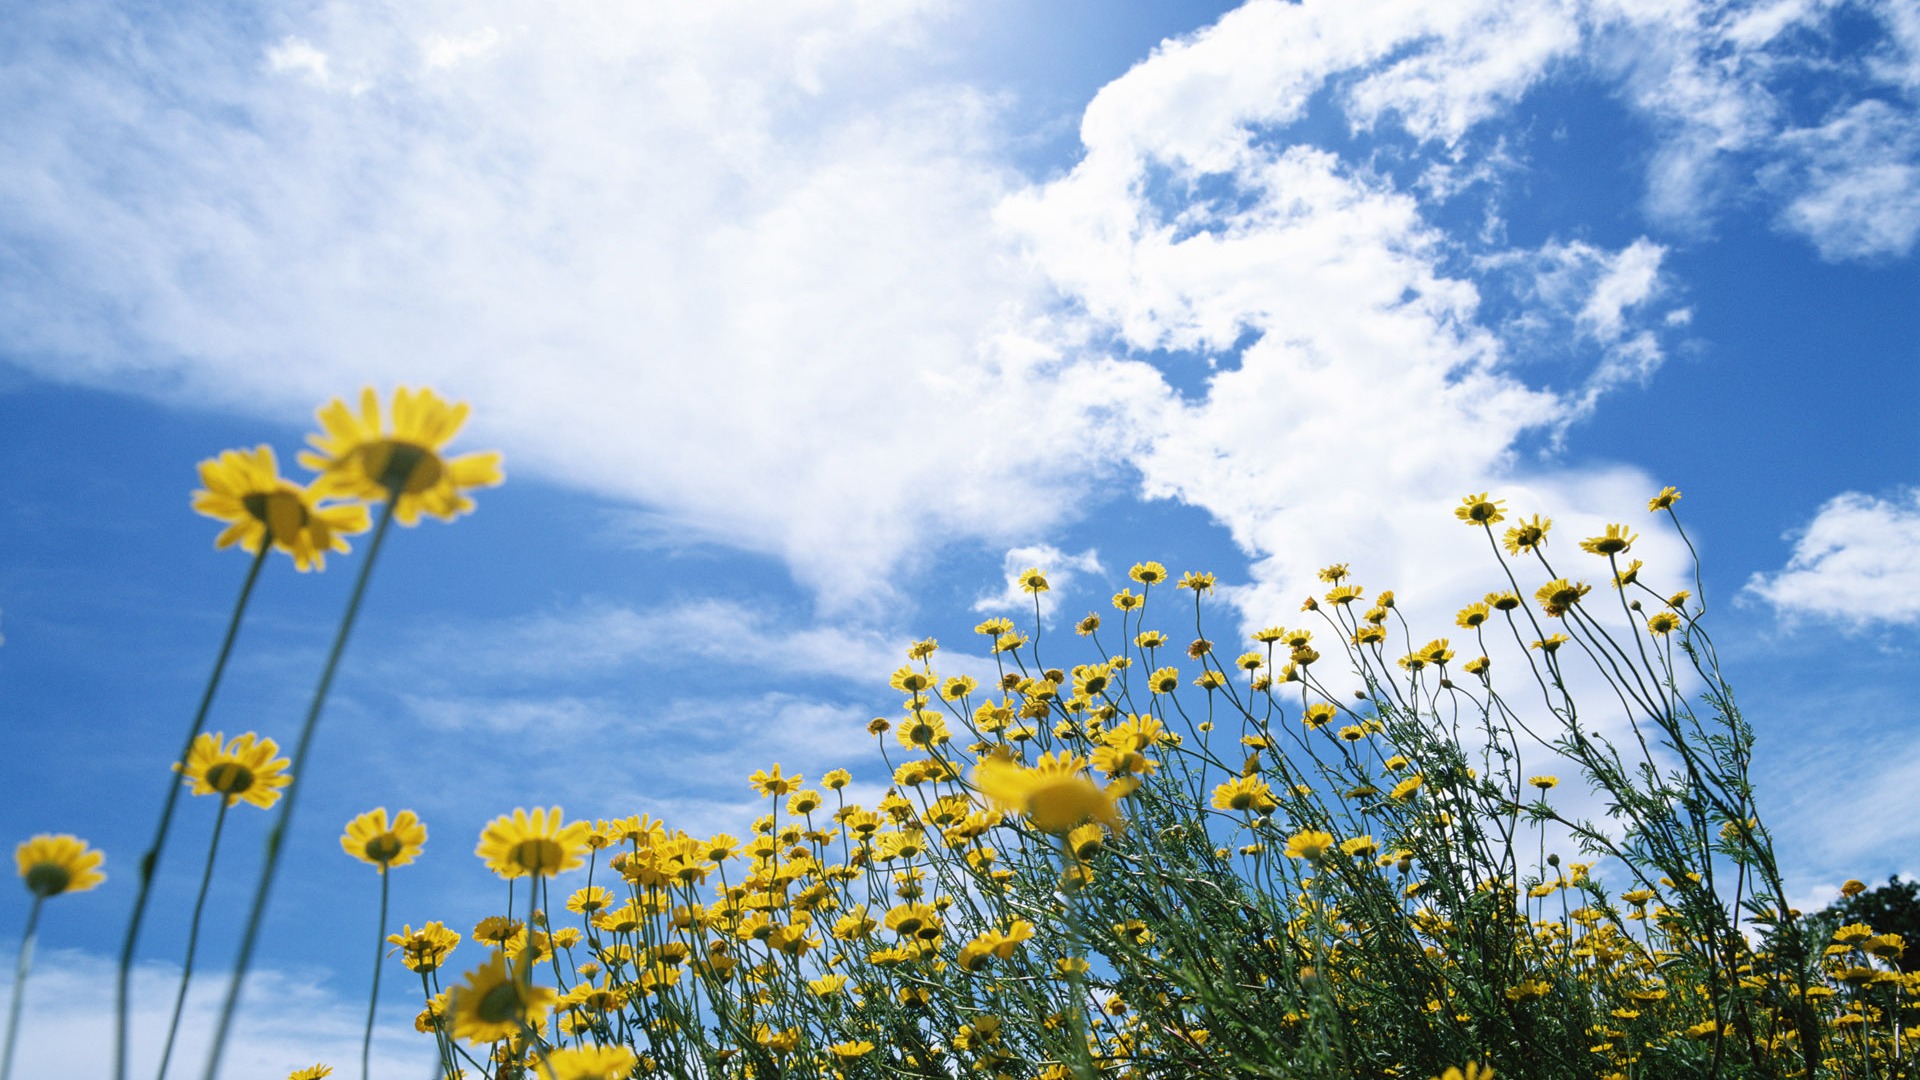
(1524, 844)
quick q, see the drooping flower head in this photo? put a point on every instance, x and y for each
(373, 840)
(244, 488)
(361, 457)
(51, 865)
(538, 843)
(244, 769)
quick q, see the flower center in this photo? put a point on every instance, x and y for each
(229, 777)
(383, 848)
(402, 466)
(537, 856)
(283, 512)
(48, 879)
(500, 1004)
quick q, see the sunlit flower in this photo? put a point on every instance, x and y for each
(244, 769)
(586, 1063)
(1526, 534)
(1612, 542)
(51, 865)
(371, 839)
(362, 457)
(244, 488)
(426, 948)
(1310, 844)
(1033, 581)
(1148, 573)
(1479, 510)
(1667, 497)
(311, 1072)
(520, 844)
(1558, 595)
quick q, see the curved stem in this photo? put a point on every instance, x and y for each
(277, 836)
(193, 937)
(19, 986)
(379, 954)
(150, 862)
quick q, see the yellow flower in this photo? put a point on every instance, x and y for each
(1054, 796)
(1309, 844)
(494, 1003)
(1527, 534)
(426, 948)
(361, 457)
(1544, 782)
(244, 489)
(1612, 542)
(1558, 595)
(1033, 581)
(771, 784)
(1245, 793)
(586, 1063)
(1473, 1071)
(311, 1072)
(1148, 573)
(1667, 497)
(372, 840)
(1479, 510)
(1662, 623)
(538, 844)
(849, 1051)
(51, 865)
(1199, 581)
(244, 769)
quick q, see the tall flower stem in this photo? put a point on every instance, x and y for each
(150, 862)
(19, 986)
(193, 939)
(379, 954)
(277, 836)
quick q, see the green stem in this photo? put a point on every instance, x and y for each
(379, 954)
(150, 862)
(19, 986)
(277, 835)
(193, 936)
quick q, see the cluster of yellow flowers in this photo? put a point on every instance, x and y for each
(1135, 865)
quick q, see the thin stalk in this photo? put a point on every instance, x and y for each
(379, 954)
(20, 986)
(150, 862)
(193, 936)
(277, 836)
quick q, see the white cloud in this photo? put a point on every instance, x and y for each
(443, 51)
(287, 1020)
(1857, 563)
(297, 55)
(1854, 183)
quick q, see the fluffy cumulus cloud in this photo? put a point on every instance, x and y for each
(759, 273)
(1856, 563)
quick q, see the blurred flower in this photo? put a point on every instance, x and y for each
(244, 488)
(361, 457)
(51, 865)
(494, 1003)
(244, 769)
(1055, 795)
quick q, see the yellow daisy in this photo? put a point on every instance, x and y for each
(586, 1063)
(51, 865)
(521, 844)
(1055, 796)
(362, 457)
(494, 1003)
(426, 948)
(244, 488)
(244, 769)
(373, 840)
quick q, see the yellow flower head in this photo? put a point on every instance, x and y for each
(371, 839)
(244, 769)
(426, 948)
(1054, 796)
(1558, 595)
(244, 489)
(1310, 844)
(1033, 581)
(1526, 535)
(311, 1072)
(1148, 573)
(51, 865)
(1473, 1071)
(361, 457)
(1612, 542)
(1480, 510)
(494, 1003)
(522, 844)
(586, 1063)
(1667, 497)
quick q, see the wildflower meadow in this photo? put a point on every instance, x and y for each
(1521, 845)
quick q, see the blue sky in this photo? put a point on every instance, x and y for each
(800, 332)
